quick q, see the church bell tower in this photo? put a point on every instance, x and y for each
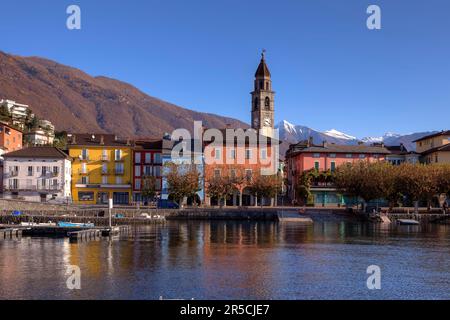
(263, 100)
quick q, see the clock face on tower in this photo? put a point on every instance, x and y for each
(267, 122)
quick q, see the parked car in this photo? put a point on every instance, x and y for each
(167, 204)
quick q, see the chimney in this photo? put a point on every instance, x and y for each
(128, 142)
(325, 143)
(74, 139)
(102, 140)
(310, 141)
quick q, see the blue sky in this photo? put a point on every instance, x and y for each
(328, 69)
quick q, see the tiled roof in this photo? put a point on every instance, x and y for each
(38, 152)
(148, 144)
(86, 139)
(334, 148)
(442, 133)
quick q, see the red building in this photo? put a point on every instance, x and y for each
(305, 156)
(147, 162)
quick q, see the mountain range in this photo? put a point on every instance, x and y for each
(75, 101)
(294, 133)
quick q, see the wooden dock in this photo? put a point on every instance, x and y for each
(85, 235)
(75, 234)
(10, 233)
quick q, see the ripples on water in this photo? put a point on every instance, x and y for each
(236, 260)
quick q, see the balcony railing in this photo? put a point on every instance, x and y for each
(11, 174)
(50, 174)
(25, 187)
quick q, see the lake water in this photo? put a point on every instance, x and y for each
(236, 260)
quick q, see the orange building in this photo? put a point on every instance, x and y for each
(10, 140)
(254, 152)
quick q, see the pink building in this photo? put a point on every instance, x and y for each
(305, 156)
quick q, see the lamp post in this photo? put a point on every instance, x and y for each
(110, 207)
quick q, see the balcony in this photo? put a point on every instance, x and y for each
(12, 174)
(49, 174)
(27, 187)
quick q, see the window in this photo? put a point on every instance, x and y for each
(55, 171)
(118, 154)
(105, 180)
(104, 168)
(267, 103)
(84, 154)
(148, 171)
(216, 173)
(217, 154)
(157, 171)
(137, 157)
(86, 196)
(333, 166)
(256, 104)
(118, 180)
(119, 168)
(105, 155)
(84, 180)
(158, 158)
(248, 174)
(248, 154)
(233, 173)
(349, 155)
(83, 169)
(148, 158)
(317, 165)
(332, 155)
(137, 171)
(233, 154)
(362, 156)
(316, 155)
(263, 154)
(30, 171)
(137, 184)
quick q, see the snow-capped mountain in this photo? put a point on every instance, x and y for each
(340, 135)
(294, 133)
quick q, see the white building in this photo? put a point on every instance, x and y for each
(18, 111)
(37, 174)
(39, 137)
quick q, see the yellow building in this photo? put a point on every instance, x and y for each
(101, 169)
(434, 148)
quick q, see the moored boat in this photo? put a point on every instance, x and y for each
(75, 225)
(409, 222)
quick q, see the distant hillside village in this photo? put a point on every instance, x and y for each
(40, 165)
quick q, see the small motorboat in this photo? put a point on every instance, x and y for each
(75, 225)
(34, 224)
(408, 222)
